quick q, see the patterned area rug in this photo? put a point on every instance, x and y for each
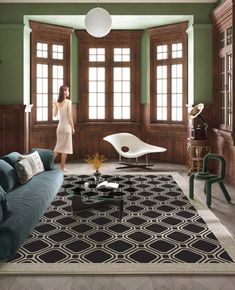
(160, 227)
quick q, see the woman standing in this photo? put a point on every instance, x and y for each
(65, 128)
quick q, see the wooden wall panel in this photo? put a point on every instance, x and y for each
(222, 144)
(12, 129)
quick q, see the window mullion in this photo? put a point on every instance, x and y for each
(169, 92)
(109, 65)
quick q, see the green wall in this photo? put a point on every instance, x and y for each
(14, 46)
(11, 63)
(203, 66)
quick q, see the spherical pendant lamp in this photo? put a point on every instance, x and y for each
(98, 22)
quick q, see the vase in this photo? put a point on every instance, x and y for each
(97, 175)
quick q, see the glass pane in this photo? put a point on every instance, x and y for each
(126, 73)
(117, 99)
(92, 87)
(92, 99)
(164, 100)
(39, 114)
(57, 51)
(101, 99)
(42, 50)
(159, 101)
(101, 73)
(126, 113)
(92, 73)
(126, 86)
(162, 52)
(117, 113)
(117, 86)
(126, 99)
(229, 36)
(92, 113)
(121, 54)
(117, 73)
(177, 50)
(174, 100)
(101, 113)
(97, 54)
(101, 87)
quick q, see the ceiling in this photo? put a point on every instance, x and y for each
(118, 21)
(108, 1)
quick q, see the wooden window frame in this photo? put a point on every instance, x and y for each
(167, 35)
(51, 34)
(115, 39)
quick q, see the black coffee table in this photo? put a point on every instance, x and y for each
(92, 198)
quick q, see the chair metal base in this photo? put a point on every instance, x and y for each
(134, 165)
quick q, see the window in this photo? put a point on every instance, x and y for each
(50, 68)
(225, 70)
(109, 76)
(168, 52)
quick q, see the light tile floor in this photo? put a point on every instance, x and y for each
(224, 211)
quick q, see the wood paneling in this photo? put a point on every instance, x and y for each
(13, 129)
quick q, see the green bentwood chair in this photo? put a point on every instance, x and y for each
(210, 178)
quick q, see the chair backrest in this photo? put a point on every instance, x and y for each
(220, 158)
(121, 140)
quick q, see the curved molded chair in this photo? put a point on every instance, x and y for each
(129, 146)
(210, 178)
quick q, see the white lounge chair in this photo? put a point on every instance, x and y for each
(129, 146)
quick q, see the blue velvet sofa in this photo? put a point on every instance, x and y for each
(21, 206)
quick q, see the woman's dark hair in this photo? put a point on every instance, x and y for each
(61, 93)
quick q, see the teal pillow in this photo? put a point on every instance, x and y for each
(8, 176)
(5, 210)
(11, 158)
(47, 157)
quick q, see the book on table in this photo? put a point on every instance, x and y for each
(106, 184)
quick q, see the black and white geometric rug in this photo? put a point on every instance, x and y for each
(160, 227)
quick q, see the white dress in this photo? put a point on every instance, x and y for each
(64, 130)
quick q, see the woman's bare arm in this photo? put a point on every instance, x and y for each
(55, 109)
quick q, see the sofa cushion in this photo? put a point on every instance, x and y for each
(46, 156)
(24, 170)
(5, 210)
(11, 158)
(8, 176)
(28, 166)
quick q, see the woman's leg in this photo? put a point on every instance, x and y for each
(63, 160)
(55, 154)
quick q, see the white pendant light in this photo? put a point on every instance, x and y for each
(98, 22)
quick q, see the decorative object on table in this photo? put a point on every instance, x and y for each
(106, 184)
(210, 178)
(96, 161)
(98, 22)
(198, 130)
(129, 146)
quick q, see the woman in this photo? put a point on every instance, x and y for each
(65, 128)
